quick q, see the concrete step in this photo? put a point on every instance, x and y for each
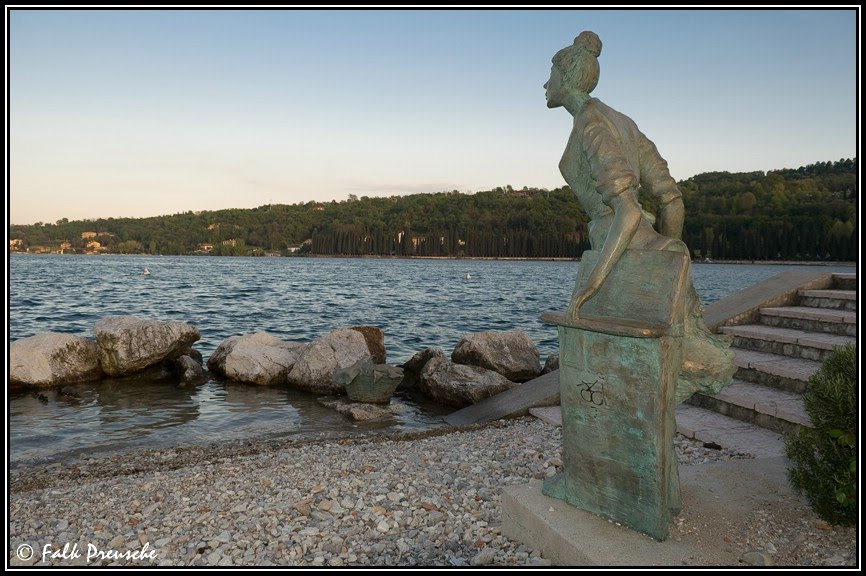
(845, 281)
(707, 426)
(541, 391)
(775, 371)
(744, 306)
(769, 408)
(835, 299)
(550, 414)
(810, 319)
(785, 341)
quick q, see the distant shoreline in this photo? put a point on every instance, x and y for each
(515, 258)
(778, 262)
(552, 259)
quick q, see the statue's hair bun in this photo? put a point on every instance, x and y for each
(590, 42)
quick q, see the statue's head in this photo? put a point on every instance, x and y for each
(578, 64)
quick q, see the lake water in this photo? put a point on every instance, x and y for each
(417, 303)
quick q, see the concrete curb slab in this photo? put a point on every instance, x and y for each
(716, 497)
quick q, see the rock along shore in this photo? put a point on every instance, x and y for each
(425, 499)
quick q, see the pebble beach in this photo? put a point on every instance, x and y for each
(420, 499)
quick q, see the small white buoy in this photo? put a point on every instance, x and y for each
(146, 272)
(468, 276)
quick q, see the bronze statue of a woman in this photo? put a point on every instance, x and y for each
(606, 162)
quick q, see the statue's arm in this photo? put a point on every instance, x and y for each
(617, 184)
(626, 218)
(656, 179)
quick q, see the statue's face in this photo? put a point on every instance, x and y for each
(553, 87)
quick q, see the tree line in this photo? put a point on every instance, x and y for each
(808, 213)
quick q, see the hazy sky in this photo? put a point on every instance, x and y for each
(145, 112)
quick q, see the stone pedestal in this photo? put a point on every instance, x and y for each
(618, 423)
(618, 374)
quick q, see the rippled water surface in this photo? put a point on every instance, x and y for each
(418, 303)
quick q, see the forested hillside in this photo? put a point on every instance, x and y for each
(807, 213)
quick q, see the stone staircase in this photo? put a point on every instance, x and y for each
(775, 355)
(782, 327)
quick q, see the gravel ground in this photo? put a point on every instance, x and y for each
(422, 499)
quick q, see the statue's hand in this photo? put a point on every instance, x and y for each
(577, 302)
(571, 314)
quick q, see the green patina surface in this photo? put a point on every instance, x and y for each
(618, 408)
(646, 287)
(619, 368)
